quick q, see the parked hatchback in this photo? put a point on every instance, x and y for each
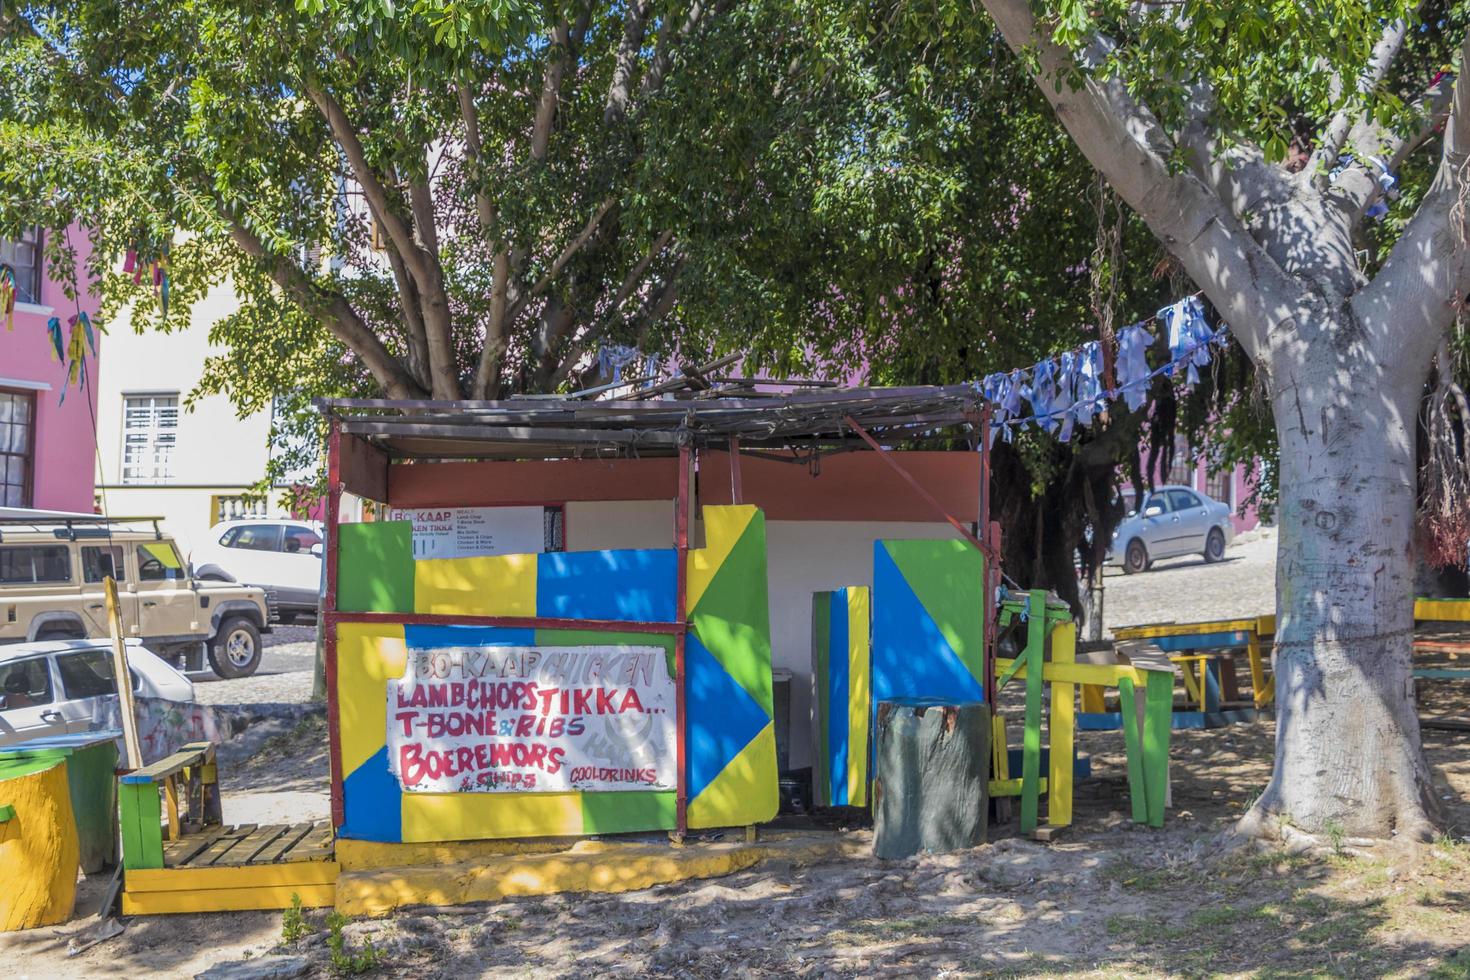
(54, 687)
(1174, 521)
(283, 557)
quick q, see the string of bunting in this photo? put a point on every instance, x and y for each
(157, 268)
(1068, 390)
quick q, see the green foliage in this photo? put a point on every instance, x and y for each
(345, 961)
(294, 926)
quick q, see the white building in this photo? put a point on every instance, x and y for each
(191, 465)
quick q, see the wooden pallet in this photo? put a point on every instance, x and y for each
(235, 868)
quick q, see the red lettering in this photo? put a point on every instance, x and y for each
(524, 726)
(464, 757)
(631, 702)
(405, 718)
(546, 698)
(553, 759)
(438, 695)
(456, 693)
(604, 701)
(583, 701)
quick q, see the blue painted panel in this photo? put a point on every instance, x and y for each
(1203, 641)
(838, 697)
(626, 586)
(911, 658)
(435, 637)
(723, 718)
(372, 802)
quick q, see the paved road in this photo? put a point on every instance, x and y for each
(284, 675)
(1189, 590)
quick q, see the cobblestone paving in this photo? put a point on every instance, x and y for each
(284, 676)
(1187, 590)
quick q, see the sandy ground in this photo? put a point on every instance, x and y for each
(1108, 899)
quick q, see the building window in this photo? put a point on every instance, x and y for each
(23, 255)
(1218, 486)
(17, 446)
(150, 432)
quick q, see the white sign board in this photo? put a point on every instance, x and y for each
(488, 719)
(464, 532)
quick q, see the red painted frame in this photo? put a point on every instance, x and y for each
(329, 611)
(681, 613)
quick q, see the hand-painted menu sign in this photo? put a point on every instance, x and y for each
(467, 532)
(533, 719)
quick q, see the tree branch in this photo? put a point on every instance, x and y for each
(413, 320)
(1341, 124)
(1126, 144)
(1240, 176)
(487, 371)
(630, 282)
(635, 25)
(572, 248)
(1423, 283)
(1357, 185)
(556, 66)
(368, 179)
(433, 298)
(669, 39)
(333, 312)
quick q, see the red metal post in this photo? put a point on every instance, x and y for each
(735, 490)
(329, 610)
(992, 563)
(908, 477)
(681, 614)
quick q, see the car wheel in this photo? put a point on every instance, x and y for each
(235, 651)
(1135, 559)
(1215, 545)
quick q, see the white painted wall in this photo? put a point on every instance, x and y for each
(216, 453)
(803, 557)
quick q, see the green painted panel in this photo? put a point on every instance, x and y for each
(142, 821)
(733, 618)
(375, 568)
(948, 577)
(615, 813)
(821, 640)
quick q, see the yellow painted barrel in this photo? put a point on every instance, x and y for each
(38, 845)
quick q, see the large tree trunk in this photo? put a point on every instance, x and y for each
(1347, 739)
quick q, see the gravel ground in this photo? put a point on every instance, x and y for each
(1188, 590)
(284, 676)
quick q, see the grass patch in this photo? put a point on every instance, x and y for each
(1145, 931)
(1457, 967)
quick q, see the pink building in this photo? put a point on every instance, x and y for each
(48, 448)
(1229, 487)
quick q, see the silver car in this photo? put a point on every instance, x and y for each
(1174, 521)
(53, 687)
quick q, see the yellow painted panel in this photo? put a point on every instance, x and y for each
(745, 791)
(1442, 610)
(1060, 729)
(723, 527)
(1012, 787)
(368, 655)
(471, 816)
(859, 666)
(1106, 675)
(368, 855)
(1093, 698)
(38, 850)
(228, 899)
(486, 585)
(242, 876)
(1190, 629)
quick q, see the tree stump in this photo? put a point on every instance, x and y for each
(930, 789)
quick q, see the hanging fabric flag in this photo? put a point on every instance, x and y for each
(1066, 385)
(130, 264)
(1089, 391)
(1043, 394)
(53, 327)
(612, 358)
(1189, 336)
(160, 282)
(7, 297)
(1133, 372)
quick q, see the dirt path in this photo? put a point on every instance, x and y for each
(1187, 589)
(1109, 900)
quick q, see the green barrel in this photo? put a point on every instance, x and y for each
(91, 759)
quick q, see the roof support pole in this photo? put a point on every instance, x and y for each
(681, 617)
(735, 493)
(329, 625)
